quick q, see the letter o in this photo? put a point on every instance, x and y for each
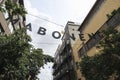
(56, 32)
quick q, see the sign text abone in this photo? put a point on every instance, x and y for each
(57, 34)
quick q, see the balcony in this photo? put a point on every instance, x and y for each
(54, 65)
(55, 71)
(65, 50)
(63, 72)
(64, 61)
(65, 57)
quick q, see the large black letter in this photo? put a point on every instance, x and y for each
(29, 27)
(53, 34)
(41, 31)
(73, 37)
(81, 37)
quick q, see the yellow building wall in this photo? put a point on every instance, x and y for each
(75, 49)
(100, 17)
(93, 25)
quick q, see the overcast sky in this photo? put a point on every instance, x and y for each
(59, 12)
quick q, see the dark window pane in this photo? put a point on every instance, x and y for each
(1, 29)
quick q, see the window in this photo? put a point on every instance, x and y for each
(90, 43)
(81, 52)
(1, 29)
(94, 40)
(114, 21)
(77, 65)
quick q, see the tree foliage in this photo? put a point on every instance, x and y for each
(106, 65)
(13, 9)
(19, 60)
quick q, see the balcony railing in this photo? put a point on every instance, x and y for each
(114, 21)
(63, 72)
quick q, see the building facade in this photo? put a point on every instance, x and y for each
(6, 26)
(95, 22)
(91, 33)
(64, 66)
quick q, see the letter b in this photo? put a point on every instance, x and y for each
(41, 31)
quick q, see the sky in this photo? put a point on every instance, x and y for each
(53, 15)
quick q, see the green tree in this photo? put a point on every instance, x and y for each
(19, 60)
(107, 64)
